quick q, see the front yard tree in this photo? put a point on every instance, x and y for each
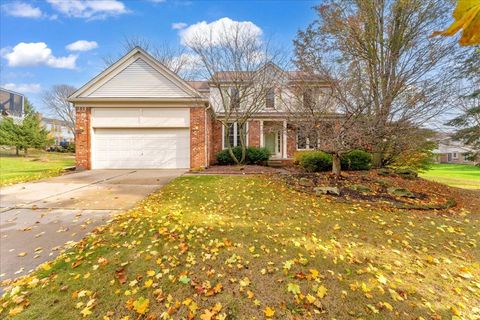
(382, 50)
(241, 71)
(468, 124)
(56, 100)
(26, 134)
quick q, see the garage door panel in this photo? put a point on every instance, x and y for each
(141, 148)
(141, 117)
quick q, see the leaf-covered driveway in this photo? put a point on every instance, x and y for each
(231, 247)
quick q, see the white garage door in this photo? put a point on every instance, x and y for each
(141, 148)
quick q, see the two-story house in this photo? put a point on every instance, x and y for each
(138, 114)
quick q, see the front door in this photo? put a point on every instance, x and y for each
(273, 143)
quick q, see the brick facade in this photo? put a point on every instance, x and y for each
(254, 133)
(82, 138)
(198, 147)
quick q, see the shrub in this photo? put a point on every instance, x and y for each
(254, 155)
(315, 161)
(356, 160)
(257, 155)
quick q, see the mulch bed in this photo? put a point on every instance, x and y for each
(246, 169)
(427, 195)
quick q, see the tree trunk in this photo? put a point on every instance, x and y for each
(377, 159)
(26, 152)
(336, 164)
(17, 151)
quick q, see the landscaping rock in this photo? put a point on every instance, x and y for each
(305, 182)
(361, 188)
(406, 173)
(400, 192)
(327, 190)
(385, 172)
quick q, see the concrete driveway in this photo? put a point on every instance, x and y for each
(38, 218)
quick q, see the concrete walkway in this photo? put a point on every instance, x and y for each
(38, 218)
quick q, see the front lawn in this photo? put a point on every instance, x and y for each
(38, 165)
(240, 247)
(455, 175)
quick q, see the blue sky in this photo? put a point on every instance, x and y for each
(47, 28)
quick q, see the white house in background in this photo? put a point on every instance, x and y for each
(450, 151)
(58, 130)
(12, 104)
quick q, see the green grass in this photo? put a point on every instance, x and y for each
(234, 246)
(38, 165)
(455, 175)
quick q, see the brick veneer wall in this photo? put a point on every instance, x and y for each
(198, 152)
(82, 138)
(254, 133)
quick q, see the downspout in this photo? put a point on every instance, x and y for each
(207, 140)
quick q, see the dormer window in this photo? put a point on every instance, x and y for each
(308, 98)
(235, 98)
(270, 99)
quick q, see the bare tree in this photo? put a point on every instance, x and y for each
(175, 58)
(242, 71)
(56, 100)
(377, 57)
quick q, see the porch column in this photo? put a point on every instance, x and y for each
(284, 144)
(261, 134)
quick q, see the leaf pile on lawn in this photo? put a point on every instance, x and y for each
(232, 247)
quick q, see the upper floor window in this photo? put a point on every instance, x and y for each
(308, 98)
(270, 99)
(234, 98)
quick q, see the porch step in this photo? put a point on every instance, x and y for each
(275, 163)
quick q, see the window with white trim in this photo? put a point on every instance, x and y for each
(270, 99)
(234, 131)
(308, 141)
(455, 155)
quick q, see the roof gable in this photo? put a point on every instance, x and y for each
(136, 75)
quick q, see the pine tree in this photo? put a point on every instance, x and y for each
(27, 134)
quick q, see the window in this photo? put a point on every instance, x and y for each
(308, 98)
(235, 98)
(455, 155)
(307, 141)
(234, 131)
(270, 99)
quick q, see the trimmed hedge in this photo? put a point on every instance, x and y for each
(356, 160)
(254, 155)
(315, 161)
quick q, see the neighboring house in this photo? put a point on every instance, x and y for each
(139, 114)
(12, 104)
(450, 151)
(58, 130)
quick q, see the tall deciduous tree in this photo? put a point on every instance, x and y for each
(56, 100)
(378, 56)
(242, 70)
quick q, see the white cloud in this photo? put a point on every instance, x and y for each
(179, 25)
(157, 1)
(23, 88)
(89, 9)
(82, 45)
(22, 10)
(36, 53)
(221, 29)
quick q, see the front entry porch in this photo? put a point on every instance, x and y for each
(273, 136)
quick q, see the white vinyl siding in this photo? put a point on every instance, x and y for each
(140, 117)
(138, 80)
(159, 148)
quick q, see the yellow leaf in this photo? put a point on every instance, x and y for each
(207, 315)
(467, 19)
(269, 312)
(321, 292)
(148, 283)
(86, 312)
(310, 298)
(141, 305)
(150, 273)
(15, 311)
